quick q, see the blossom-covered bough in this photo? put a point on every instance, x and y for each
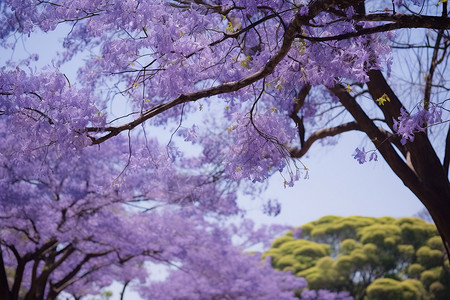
(267, 78)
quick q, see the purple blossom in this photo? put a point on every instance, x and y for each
(360, 155)
(408, 124)
(257, 148)
(272, 208)
(189, 134)
(415, 2)
(304, 10)
(373, 156)
(324, 295)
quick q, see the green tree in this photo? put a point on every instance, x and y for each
(372, 258)
(387, 288)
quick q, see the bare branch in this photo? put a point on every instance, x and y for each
(424, 159)
(434, 63)
(323, 133)
(122, 293)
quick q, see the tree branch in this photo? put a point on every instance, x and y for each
(64, 282)
(446, 162)
(424, 159)
(399, 21)
(122, 293)
(434, 63)
(323, 133)
(294, 114)
(401, 169)
(228, 87)
(4, 287)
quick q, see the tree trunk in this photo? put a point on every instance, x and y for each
(428, 179)
(5, 293)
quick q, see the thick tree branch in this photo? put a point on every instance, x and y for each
(446, 162)
(323, 133)
(405, 173)
(301, 97)
(291, 32)
(18, 277)
(399, 21)
(427, 179)
(64, 282)
(221, 89)
(423, 157)
(377, 87)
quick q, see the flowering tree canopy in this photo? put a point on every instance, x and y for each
(267, 78)
(65, 227)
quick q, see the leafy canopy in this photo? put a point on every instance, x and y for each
(371, 258)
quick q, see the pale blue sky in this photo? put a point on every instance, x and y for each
(339, 185)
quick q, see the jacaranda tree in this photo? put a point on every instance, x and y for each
(87, 194)
(65, 227)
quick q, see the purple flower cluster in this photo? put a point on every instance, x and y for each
(44, 109)
(324, 295)
(272, 208)
(408, 124)
(400, 2)
(361, 155)
(258, 145)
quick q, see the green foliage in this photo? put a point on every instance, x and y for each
(296, 255)
(281, 240)
(435, 243)
(414, 271)
(372, 258)
(407, 252)
(415, 231)
(428, 277)
(347, 246)
(321, 275)
(429, 257)
(382, 235)
(387, 288)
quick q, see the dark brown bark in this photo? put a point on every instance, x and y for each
(321, 134)
(294, 115)
(446, 163)
(397, 22)
(421, 170)
(430, 183)
(4, 287)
